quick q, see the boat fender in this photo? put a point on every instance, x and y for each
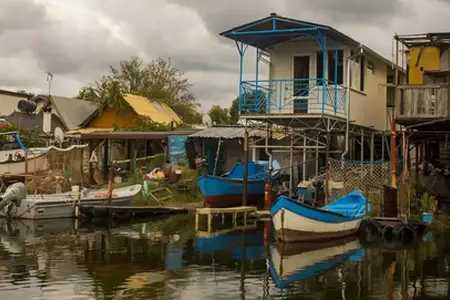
(387, 233)
(104, 195)
(406, 233)
(370, 229)
(18, 156)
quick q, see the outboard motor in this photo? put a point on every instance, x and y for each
(319, 198)
(13, 195)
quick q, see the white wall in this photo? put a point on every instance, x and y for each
(8, 104)
(367, 108)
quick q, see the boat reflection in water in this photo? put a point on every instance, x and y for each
(299, 261)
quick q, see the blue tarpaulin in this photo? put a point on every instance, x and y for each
(177, 150)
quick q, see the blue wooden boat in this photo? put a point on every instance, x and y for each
(232, 242)
(307, 260)
(294, 221)
(226, 190)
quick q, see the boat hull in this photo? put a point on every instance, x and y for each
(296, 222)
(221, 193)
(63, 205)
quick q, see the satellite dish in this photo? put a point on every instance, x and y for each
(26, 106)
(59, 135)
(207, 121)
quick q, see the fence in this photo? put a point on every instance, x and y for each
(367, 178)
(63, 168)
(134, 165)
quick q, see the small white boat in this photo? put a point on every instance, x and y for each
(15, 159)
(296, 222)
(51, 206)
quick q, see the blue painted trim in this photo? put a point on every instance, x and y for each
(241, 50)
(347, 208)
(309, 212)
(323, 44)
(19, 141)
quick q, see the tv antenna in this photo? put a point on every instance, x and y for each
(49, 80)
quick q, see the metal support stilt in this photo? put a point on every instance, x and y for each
(372, 152)
(291, 168)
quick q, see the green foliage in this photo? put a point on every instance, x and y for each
(225, 115)
(234, 111)
(219, 115)
(30, 137)
(158, 80)
(428, 203)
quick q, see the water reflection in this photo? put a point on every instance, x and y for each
(167, 259)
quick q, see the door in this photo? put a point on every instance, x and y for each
(301, 84)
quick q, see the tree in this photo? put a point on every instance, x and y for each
(219, 115)
(234, 111)
(158, 80)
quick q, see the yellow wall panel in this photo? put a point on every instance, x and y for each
(430, 60)
(112, 117)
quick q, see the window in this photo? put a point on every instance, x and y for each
(371, 66)
(340, 66)
(358, 72)
(363, 73)
(331, 64)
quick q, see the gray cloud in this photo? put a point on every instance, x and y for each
(78, 45)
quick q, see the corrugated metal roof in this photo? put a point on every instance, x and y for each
(73, 111)
(89, 130)
(158, 112)
(234, 132)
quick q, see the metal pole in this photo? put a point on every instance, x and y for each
(372, 150)
(317, 157)
(244, 194)
(219, 144)
(362, 152)
(382, 148)
(405, 156)
(304, 160)
(291, 168)
(327, 168)
(393, 126)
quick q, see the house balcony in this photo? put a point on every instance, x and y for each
(293, 96)
(422, 103)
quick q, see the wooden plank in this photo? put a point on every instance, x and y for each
(230, 210)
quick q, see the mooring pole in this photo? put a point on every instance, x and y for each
(268, 187)
(327, 168)
(110, 188)
(245, 175)
(291, 168)
(393, 126)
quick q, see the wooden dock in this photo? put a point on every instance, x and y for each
(129, 212)
(239, 215)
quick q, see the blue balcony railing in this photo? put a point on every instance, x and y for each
(293, 96)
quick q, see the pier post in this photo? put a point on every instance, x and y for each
(245, 175)
(327, 168)
(291, 168)
(393, 126)
(268, 196)
(372, 152)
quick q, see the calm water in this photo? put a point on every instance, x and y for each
(165, 259)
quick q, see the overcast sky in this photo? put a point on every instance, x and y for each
(77, 40)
